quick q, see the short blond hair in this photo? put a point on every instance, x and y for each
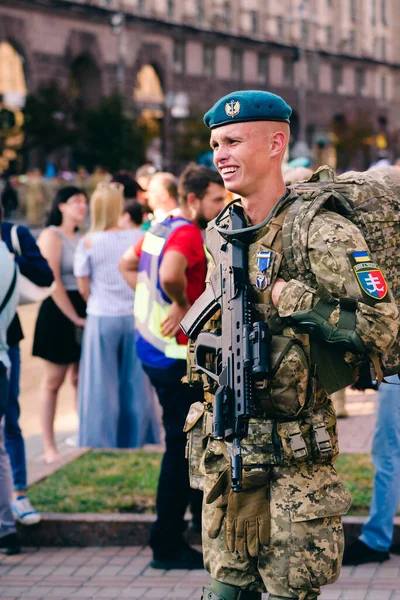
(106, 206)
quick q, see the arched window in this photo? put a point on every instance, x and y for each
(12, 76)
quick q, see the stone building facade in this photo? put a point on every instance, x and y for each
(332, 60)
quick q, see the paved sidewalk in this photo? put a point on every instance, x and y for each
(123, 573)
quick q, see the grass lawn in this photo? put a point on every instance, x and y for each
(125, 482)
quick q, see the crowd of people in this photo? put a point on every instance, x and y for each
(124, 282)
(118, 359)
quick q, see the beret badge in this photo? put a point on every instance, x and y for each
(232, 108)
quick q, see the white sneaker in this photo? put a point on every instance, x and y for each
(72, 441)
(24, 512)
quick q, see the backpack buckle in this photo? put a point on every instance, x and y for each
(322, 438)
(298, 445)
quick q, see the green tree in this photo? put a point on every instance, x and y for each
(107, 137)
(192, 139)
(352, 141)
(48, 121)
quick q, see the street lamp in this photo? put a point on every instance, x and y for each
(117, 23)
(301, 148)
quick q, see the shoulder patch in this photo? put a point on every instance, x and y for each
(369, 276)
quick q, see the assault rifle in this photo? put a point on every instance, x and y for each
(241, 352)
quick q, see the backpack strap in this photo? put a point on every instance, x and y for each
(295, 233)
(9, 291)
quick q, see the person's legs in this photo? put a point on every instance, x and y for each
(14, 442)
(173, 487)
(8, 539)
(98, 383)
(216, 590)
(7, 523)
(377, 533)
(196, 507)
(74, 379)
(53, 377)
(22, 509)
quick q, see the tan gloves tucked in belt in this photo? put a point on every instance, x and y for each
(247, 513)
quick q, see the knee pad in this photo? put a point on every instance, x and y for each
(217, 590)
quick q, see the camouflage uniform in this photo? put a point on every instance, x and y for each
(297, 437)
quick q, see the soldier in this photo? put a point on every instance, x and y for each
(281, 533)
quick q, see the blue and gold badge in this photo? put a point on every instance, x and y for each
(370, 277)
(263, 264)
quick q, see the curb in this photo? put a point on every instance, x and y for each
(58, 529)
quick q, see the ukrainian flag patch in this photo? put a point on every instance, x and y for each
(370, 278)
(362, 256)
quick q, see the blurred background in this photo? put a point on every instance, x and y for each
(113, 84)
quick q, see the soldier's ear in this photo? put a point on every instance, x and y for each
(278, 143)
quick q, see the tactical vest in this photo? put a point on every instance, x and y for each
(297, 422)
(151, 303)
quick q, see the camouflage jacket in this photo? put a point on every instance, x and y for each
(332, 239)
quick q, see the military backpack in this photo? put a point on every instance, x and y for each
(370, 200)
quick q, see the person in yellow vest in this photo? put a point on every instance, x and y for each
(168, 269)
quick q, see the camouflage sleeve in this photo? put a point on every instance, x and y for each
(331, 244)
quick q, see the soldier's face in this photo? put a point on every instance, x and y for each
(242, 155)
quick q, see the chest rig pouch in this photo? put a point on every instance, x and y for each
(287, 392)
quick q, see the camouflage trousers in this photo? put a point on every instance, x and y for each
(307, 541)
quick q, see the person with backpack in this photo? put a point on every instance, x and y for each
(9, 543)
(35, 268)
(313, 281)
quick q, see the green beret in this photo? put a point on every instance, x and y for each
(247, 105)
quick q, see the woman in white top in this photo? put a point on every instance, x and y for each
(112, 392)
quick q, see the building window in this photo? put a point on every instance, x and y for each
(209, 61)
(383, 88)
(288, 71)
(179, 56)
(383, 43)
(360, 81)
(329, 3)
(140, 6)
(237, 64)
(254, 21)
(200, 11)
(329, 36)
(383, 12)
(373, 12)
(170, 8)
(337, 78)
(263, 68)
(353, 10)
(279, 26)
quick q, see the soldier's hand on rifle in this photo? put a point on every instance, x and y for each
(277, 290)
(170, 326)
